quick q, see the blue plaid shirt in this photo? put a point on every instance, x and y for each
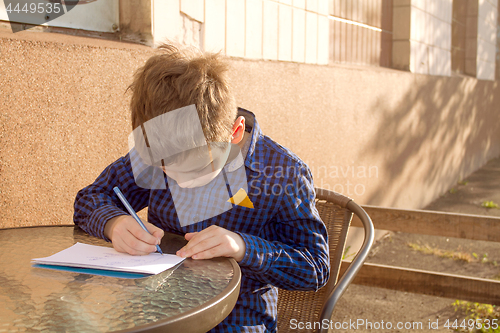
(286, 241)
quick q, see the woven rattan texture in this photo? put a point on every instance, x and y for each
(305, 306)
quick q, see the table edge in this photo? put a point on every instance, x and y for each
(182, 322)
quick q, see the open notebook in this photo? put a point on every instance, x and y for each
(100, 260)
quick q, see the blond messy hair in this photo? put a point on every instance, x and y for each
(177, 77)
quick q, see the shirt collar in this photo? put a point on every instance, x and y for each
(253, 160)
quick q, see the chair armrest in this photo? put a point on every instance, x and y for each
(354, 267)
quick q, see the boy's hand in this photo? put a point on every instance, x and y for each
(128, 236)
(212, 242)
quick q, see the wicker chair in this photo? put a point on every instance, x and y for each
(336, 212)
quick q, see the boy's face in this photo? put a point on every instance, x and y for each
(196, 170)
(175, 142)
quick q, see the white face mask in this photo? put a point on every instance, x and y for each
(199, 181)
(197, 171)
(175, 142)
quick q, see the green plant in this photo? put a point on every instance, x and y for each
(484, 318)
(489, 204)
(485, 257)
(453, 190)
(462, 182)
(346, 254)
(456, 255)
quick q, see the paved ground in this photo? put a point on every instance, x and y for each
(368, 304)
(468, 194)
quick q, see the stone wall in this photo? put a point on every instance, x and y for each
(382, 136)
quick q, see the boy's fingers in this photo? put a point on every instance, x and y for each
(141, 234)
(155, 231)
(159, 236)
(189, 235)
(127, 243)
(128, 236)
(135, 245)
(123, 247)
(197, 237)
(217, 251)
(213, 242)
(199, 246)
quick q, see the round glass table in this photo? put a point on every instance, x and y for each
(192, 297)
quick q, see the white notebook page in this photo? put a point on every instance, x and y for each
(100, 257)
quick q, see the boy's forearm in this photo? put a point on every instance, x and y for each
(286, 266)
(110, 224)
(94, 222)
(292, 250)
(96, 204)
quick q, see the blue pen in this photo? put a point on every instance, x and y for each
(132, 212)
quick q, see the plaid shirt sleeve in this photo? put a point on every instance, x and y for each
(96, 203)
(296, 256)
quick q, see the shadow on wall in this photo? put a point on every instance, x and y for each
(441, 131)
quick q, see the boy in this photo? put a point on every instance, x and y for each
(205, 170)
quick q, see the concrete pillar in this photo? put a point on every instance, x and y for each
(497, 66)
(458, 31)
(487, 18)
(422, 36)
(135, 21)
(471, 38)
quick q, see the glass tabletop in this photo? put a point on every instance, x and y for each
(37, 299)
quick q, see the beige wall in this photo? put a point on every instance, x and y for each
(407, 137)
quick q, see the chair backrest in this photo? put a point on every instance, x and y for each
(303, 306)
(308, 306)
